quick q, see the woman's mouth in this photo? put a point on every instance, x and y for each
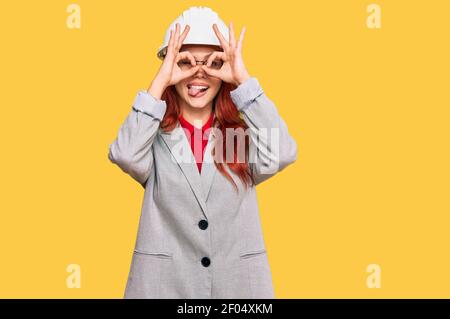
(197, 90)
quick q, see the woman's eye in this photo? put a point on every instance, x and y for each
(216, 64)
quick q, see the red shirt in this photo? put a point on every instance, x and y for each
(195, 136)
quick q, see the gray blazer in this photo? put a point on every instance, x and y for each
(197, 236)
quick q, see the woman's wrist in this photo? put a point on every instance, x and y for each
(156, 90)
(242, 79)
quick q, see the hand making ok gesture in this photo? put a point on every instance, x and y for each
(233, 69)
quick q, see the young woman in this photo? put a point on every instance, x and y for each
(199, 232)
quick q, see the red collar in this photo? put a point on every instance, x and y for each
(185, 124)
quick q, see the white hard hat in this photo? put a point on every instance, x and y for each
(200, 20)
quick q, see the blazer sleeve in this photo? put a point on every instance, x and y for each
(132, 149)
(272, 148)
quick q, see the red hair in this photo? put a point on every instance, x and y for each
(226, 116)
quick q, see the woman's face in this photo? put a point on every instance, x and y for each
(191, 96)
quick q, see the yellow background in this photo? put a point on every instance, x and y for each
(369, 109)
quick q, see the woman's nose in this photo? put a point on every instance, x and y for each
(200, 71)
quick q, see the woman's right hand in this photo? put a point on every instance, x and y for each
(169, 72)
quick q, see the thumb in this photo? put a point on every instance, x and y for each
(193, 70)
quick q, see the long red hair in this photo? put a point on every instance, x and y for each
(226, 116)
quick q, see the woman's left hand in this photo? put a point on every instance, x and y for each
(233, 69)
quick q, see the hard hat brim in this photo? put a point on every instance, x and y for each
(163, 51)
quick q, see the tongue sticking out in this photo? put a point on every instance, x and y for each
(195, 92)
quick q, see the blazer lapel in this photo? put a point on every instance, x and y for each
(178, 144)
